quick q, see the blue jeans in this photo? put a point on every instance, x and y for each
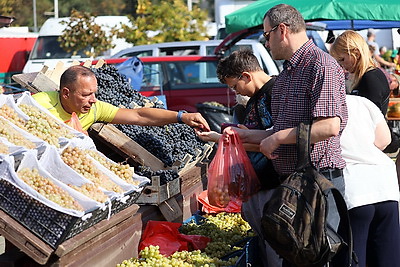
(333, 214)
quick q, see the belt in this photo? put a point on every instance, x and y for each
(332, 173)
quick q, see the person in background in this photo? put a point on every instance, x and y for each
(371, 41)
(394, 84)
(311, 87)
(78, 86)
(382, 51)
(242, 73)
(367, 79)
(372, 190)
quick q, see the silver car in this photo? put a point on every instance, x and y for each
(202, 48)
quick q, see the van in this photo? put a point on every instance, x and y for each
(47, 50)
(201, 48)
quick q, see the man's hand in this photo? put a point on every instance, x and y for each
(268, 147)
(195, 120)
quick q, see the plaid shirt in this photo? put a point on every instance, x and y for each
(311, 85)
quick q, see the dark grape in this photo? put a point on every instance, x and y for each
(168, 143)
(165, 175)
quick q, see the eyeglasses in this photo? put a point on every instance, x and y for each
(233, 87)
(266, 34)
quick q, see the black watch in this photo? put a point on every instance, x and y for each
(179, 116)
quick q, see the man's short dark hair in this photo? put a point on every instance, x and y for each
(288, 15)
(236, 63)
(71, 75)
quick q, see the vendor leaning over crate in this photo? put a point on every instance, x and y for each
(78, 86)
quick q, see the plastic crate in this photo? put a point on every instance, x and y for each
(127, 200)
(50, 225)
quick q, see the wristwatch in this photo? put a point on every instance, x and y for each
(179, 116)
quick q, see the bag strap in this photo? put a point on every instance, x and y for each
(303, 145)
(344, 215)
(304, 162)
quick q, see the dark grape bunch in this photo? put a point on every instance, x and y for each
(168, 143)
(113, 88)
(165, 175)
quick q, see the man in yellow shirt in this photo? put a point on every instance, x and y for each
(78, 86)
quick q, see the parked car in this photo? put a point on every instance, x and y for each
(202, 48)
(185, 81)
(47, 50)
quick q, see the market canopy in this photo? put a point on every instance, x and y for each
(316, 10)
(360, 24)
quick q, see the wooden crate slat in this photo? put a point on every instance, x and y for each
(156, 193)
(24, 239)
(124, 145)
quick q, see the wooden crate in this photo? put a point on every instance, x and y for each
(156, 193)
(48, 79)
(120, 143)
(44, 80)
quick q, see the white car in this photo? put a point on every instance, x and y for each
(201, 48)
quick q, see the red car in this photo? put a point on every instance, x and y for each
(184, 81)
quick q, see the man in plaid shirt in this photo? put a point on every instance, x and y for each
(311, 87)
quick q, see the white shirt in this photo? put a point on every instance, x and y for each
(370, 175)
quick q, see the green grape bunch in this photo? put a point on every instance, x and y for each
(44, 126)
(3, 148)
(224, 229)
(10, 114)
(123, 171)
(14, 136)
(76, 158)
(92, 191)
(151, 256)
(48, 189)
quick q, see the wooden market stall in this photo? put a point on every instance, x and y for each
(112, 239)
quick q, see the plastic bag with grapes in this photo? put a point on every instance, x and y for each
(231, 175)
(234, 205)
(218, 178)
(243, 180)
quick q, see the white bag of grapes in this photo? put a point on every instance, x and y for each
(122, 170)
(74, 156)
(39, 184)
(56, 132)
(52, 162)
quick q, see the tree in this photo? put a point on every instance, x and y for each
(9, 7)
(168, 21)
(82, 33)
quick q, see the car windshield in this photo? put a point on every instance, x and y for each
(47, 47)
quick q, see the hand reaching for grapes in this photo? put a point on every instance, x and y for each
(210, 136)
(195, 120)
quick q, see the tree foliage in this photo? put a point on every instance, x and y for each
(168, 21)
(82, 33)
(9, 7)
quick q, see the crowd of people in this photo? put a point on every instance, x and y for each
(345, 93)
(349, 131)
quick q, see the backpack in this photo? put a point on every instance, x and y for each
(294, 220)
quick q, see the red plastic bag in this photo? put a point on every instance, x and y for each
(218, 178)
(234, 205)
(167, 236)
(231, 175)
(75, 123)
(243, 178)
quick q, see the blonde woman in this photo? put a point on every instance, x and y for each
(366, 79)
